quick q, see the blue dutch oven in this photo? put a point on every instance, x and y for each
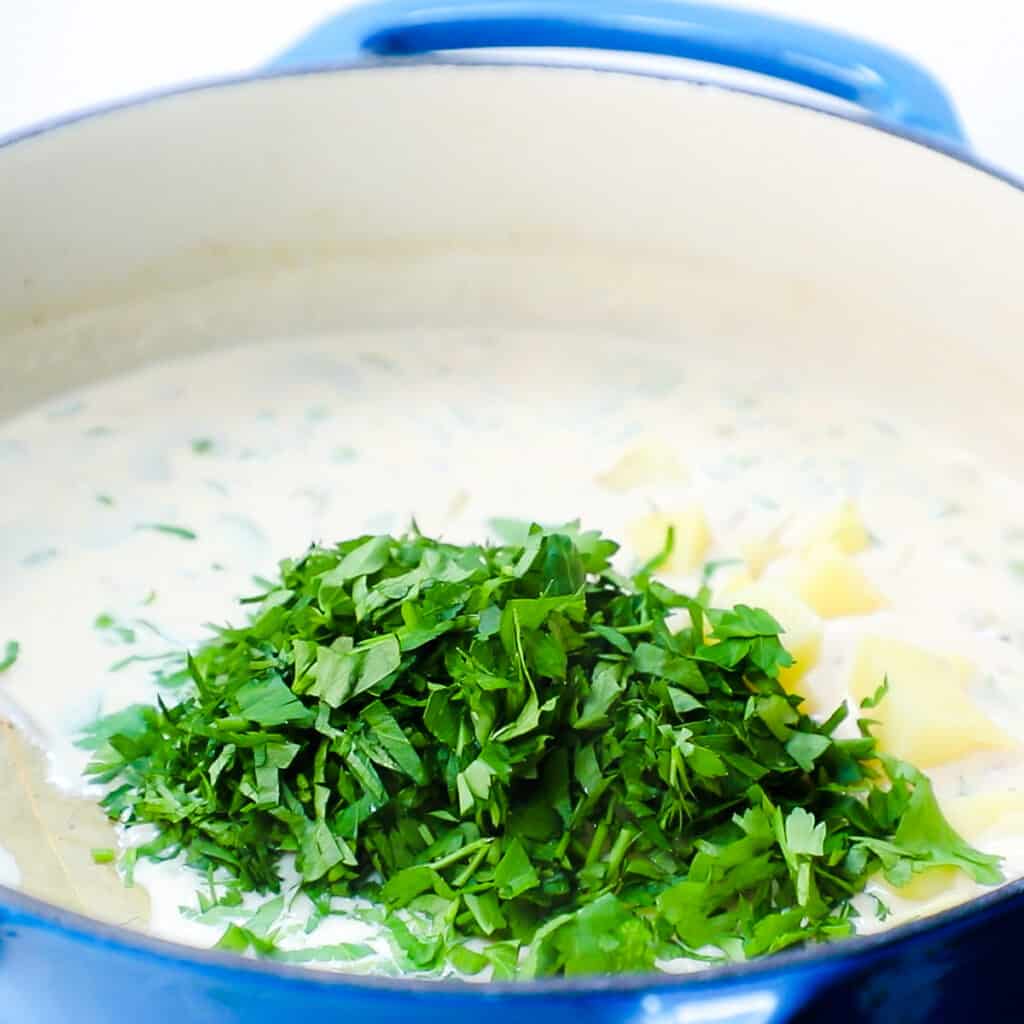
(441, 188)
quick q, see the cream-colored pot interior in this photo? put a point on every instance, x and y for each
(515, 197)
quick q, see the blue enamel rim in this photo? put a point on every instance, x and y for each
(857, 952)
(845, 955)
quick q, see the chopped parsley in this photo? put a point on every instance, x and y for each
(10, 655)
(174, 531)
(39, 557)
(116, 630)
(526, 751)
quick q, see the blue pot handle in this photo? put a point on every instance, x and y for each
(895, 90)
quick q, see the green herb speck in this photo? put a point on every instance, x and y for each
(106, 623)
(11, 651)
(39, 557)
(171, 530)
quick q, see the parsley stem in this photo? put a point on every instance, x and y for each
(836, 880)
(622, 843)
(600, 835)
(463, 877)
(596, 844)
(636, 628)
(563, 845)
(460, 854)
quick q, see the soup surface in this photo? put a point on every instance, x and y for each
(139, 510)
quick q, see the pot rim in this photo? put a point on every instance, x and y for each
(845, 955)
(932, 142)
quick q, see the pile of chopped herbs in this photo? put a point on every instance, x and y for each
(519, 745)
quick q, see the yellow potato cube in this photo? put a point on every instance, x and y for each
(925, 885)
(833, 584)
(927, 717)
(651, 462)
(691, 543)
(733, 578)
(803, 630)
(758, 553)
(842, 527)
(986, 813)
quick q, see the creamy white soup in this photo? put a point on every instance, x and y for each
(141, 509)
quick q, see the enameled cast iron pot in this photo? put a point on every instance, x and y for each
(360, 184)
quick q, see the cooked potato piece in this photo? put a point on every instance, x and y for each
(832, 583)
(732, 579)
(996, 812)
(648, 463)
(929, 892)
(758, 553)
(842, 527)
(692, 537)
(926, 885)
(927, 717)
(803, 630)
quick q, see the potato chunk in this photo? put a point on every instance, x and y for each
(927, 717)
(803, 630)
(729, 580)
(842, 527)
(758, 553)
(650, 462)
(926, 885)
(998, 812)
(692, 537)
(832, 583)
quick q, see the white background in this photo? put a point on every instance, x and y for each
(62, 55)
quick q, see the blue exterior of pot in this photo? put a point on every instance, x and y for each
(58, 967)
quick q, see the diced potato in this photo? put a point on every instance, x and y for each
(930, 892)
(927, 717)
(758, 553)
(842, 527)
(731, 579)
(831, 583)
(692, 537)
(651, 462)
(926, 885)
(803, 630)
(996, 812)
